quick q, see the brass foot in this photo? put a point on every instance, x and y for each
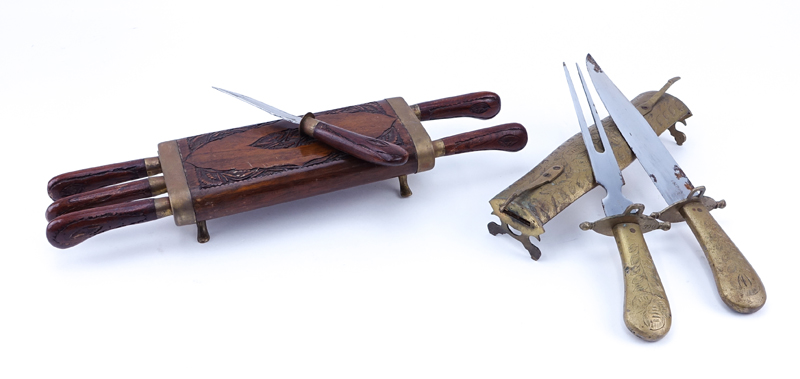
(202, 232)
(680, 137)
(405, 191)
(495, 229)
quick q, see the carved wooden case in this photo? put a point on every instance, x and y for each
(255, 166)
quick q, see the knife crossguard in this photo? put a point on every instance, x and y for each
(633, 214)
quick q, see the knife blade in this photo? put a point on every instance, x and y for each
(737, 282)
(360, 146)
(646, 308)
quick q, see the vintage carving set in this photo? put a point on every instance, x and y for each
(223, 173)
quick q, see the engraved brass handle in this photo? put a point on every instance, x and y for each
(737, 282)
(647, 313)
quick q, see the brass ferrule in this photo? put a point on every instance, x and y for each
(438, 148)
(152, 165)
(308, 123)
(163, 208)
(417, 111)
(157, 185)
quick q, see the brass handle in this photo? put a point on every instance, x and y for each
(647, 313)
(737, 282)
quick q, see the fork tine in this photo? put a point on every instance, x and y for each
(597, 121)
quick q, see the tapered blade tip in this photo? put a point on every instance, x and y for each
(590, 60)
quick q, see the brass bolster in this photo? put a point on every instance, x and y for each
(426, 156)
(152, 165)
(163, 208)
(308, 123)
(157, 185)
(180, 198)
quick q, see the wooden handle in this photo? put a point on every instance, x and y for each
(360, 146)
(483, 105)
(737, 282)
(120, 193)
(97, 177)
(506, 137)
(73, 228)
(647, 313)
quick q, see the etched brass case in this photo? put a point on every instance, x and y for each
(566, 174)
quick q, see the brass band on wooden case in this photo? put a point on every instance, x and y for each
(180, 198)
(426, 157)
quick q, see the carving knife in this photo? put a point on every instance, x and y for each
(646, 313)
(737, 282)
(360, 146)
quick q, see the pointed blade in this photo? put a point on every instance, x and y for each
(264, 107)
(665, 173)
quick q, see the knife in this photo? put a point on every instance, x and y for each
(737, 282)
(360, 146)
(646, 313)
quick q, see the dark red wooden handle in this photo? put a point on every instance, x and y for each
(73, 228)
(93, 178)
(483, 105)
(506, 137)
(120, 193)
(360, 146)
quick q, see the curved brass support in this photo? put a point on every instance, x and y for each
(523, 238)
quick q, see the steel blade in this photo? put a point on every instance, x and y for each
(666, 174)
(264, 107)
(604, 164)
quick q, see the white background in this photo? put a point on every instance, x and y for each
(362, 283)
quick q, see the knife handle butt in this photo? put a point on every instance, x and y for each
(97, 177)
(647, 313)
(505, 137)
(481, 105)
(368, 149)
(737, 282)
(73, 228)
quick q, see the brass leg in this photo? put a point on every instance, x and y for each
(405, 191)
(202, 232)
(680, 137)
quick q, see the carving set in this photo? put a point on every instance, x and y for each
(236, 170)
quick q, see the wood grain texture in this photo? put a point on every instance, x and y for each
(93, 178)
(506, 137)
(368, 149)
(482, 105)
(73, 228)
(265, 164)
(121, 193)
